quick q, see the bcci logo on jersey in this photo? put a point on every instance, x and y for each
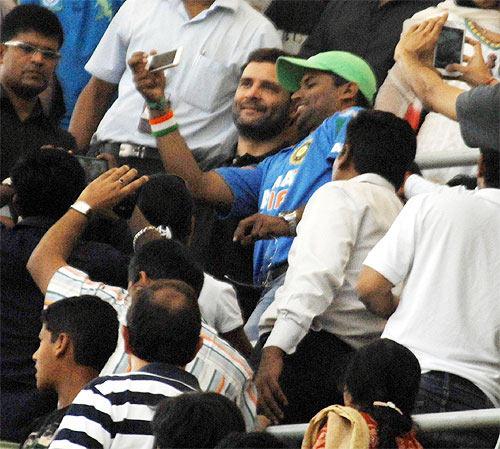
(300, 153)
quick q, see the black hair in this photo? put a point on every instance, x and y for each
(164, 323)
(47, 181)
(385, 371)
(469, 182)
(195, 420)
(491, 168)
(26, 18)
(166, 200)
(379, 142)
(166, 259)
(251, 440)
(360, 99)
(270, 55)
(91, 323)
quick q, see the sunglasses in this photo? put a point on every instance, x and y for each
(31, 50)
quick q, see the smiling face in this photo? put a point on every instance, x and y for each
(317, 99)
(261, 107)
(26, 73)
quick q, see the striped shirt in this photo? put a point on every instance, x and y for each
(116, 411)
(217, 365)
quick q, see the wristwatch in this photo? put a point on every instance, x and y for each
(291, 219)
(82, 207)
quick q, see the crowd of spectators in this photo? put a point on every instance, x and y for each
(244, 239)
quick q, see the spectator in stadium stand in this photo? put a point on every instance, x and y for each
(195, 420)
(70, 356)
(166, 201)
(29, 52)
(413, 92)
(380, 388)
(316, 322)
(161, 336)
(329, 89)
(83, 25)
(45, 183)
(370, 29)
(476, 110)
(217, 365)
(444, 245)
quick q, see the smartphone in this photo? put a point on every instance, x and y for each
(164, 61)
(93, 167)
(449, 49)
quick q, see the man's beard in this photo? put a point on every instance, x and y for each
(265, 128)
(28, 92)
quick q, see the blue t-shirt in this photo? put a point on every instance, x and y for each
(284, 182)
(84, 22)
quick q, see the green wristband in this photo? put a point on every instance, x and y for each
(158, 106)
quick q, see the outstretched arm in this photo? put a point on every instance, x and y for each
(54, 249)
(175, 154)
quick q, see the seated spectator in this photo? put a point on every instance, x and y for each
(380, 388)
(45, 183)
(407, 88)
(368, 28)
(217, 365)
(195, 420)
(166, 201)
(251, 440)
(161, 336)
(70, 356)
(316, 323)
(31, 39)
(444, 246)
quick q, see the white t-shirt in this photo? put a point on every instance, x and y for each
(445, 246)
(342, 221)
(219, 306)
(216, 43)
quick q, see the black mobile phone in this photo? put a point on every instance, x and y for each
(449, 49)
(93, 167)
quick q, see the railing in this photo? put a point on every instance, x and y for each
(431, 422)
(442, 159)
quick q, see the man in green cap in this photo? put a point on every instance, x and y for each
(329, 89)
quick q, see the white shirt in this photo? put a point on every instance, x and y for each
(341, 223)
(216, 43)
(446, 246)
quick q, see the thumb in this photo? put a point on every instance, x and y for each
(456, 68)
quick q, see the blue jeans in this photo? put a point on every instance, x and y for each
(252, 325)
(445, 392)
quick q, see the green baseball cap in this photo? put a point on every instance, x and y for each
(350, 67)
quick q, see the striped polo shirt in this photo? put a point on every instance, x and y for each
(115, 412)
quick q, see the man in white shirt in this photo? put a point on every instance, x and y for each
(316, 321)
(216, 37)
(444, 245)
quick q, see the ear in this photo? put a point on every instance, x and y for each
(348, 91)
(126, 339)
(344, 158)
(63, 345)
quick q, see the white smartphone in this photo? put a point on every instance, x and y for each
(164, 61)
(449, 49)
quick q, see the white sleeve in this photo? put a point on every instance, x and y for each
(219, 305)
(109, 60)
(393, 255)
(317, 260)
(416, 185)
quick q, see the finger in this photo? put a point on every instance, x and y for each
(466, 58)
(267, 412)
(134, 185)
(117, 173)
(241, 229)
(274, 406)
(136, 60)
(129, 176)
(455, 68)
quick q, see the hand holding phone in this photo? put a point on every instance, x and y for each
(449, 49)
(92, 166)
(164, 61)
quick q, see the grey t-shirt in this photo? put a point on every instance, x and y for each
(478, 113)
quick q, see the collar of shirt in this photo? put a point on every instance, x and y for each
(36, 114)
(171, 371)
(231, 5)
(373, 178)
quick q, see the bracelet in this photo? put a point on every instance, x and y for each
(141, 233)
(164, 231)
(163, 125)
(158, 105)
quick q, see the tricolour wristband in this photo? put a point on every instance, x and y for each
(163, 125)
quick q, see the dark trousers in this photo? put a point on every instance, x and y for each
(312, 376)
(444, 392)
